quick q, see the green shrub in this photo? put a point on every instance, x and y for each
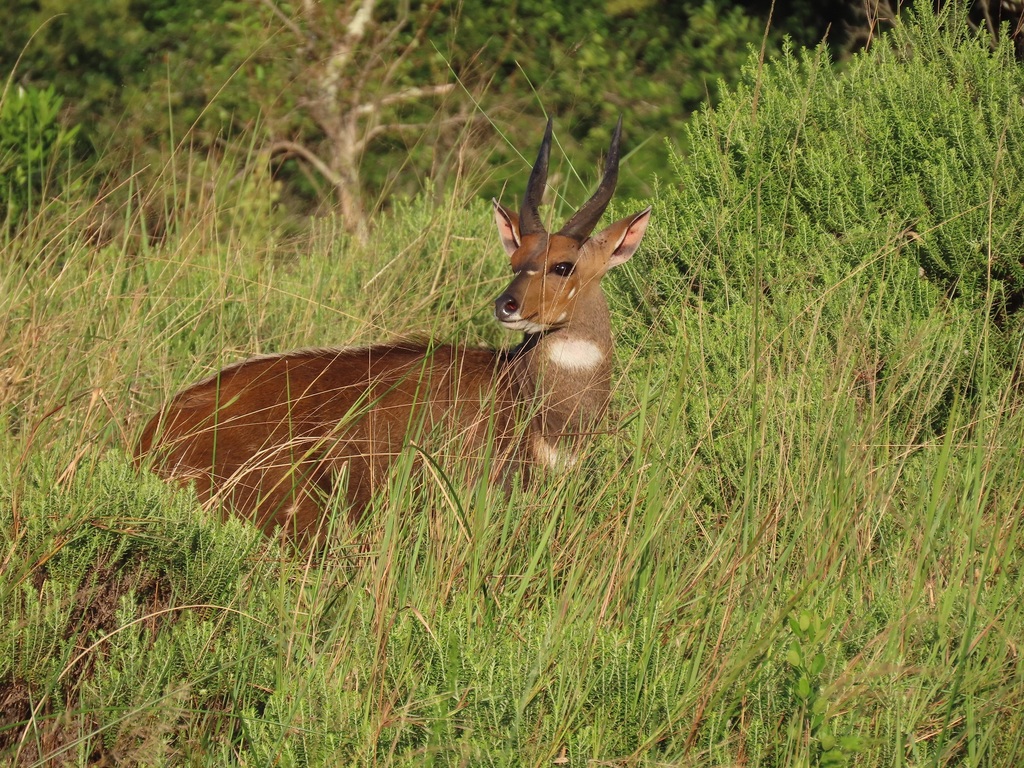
(855, 211)
(120, 601)
(35, 146)
(909, 161)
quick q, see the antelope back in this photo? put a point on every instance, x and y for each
(277, 437)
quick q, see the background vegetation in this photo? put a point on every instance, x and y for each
(352, 103)
(799, 543)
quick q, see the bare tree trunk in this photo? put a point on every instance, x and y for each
(350, 95)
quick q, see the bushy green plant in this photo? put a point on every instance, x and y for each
(104, 561)
(907, 157)
(35, 147)
(854, 212)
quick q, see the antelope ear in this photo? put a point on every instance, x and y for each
(508, 227)
(620, 240)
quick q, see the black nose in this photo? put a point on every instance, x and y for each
(505, 307)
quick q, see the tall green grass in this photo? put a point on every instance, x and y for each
(798, 544)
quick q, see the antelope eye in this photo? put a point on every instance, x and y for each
(563, 268)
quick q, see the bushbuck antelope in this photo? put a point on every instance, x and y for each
(275, 437)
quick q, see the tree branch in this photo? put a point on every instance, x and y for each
(285, 147)
(360, 21)
(340, 56)
(407, 94)
(301, 34)
(377, 130)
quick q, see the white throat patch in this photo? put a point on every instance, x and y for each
(574, 354)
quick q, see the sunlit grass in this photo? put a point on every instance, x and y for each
(797, 544)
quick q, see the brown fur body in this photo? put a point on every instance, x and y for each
(276, 436)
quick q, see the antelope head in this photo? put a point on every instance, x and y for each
(556, 273)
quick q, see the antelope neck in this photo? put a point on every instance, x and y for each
(562, 347)
(568, 369)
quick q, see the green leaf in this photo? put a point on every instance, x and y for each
(832, 758)
(851, 744)
(793, 656)
(794, 625)
(818, 664)
(803, 687)
(805, 621)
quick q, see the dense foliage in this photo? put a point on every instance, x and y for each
(800, 542)
(36, 151)
(353, 102)
(350, 103)
(359, 109)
